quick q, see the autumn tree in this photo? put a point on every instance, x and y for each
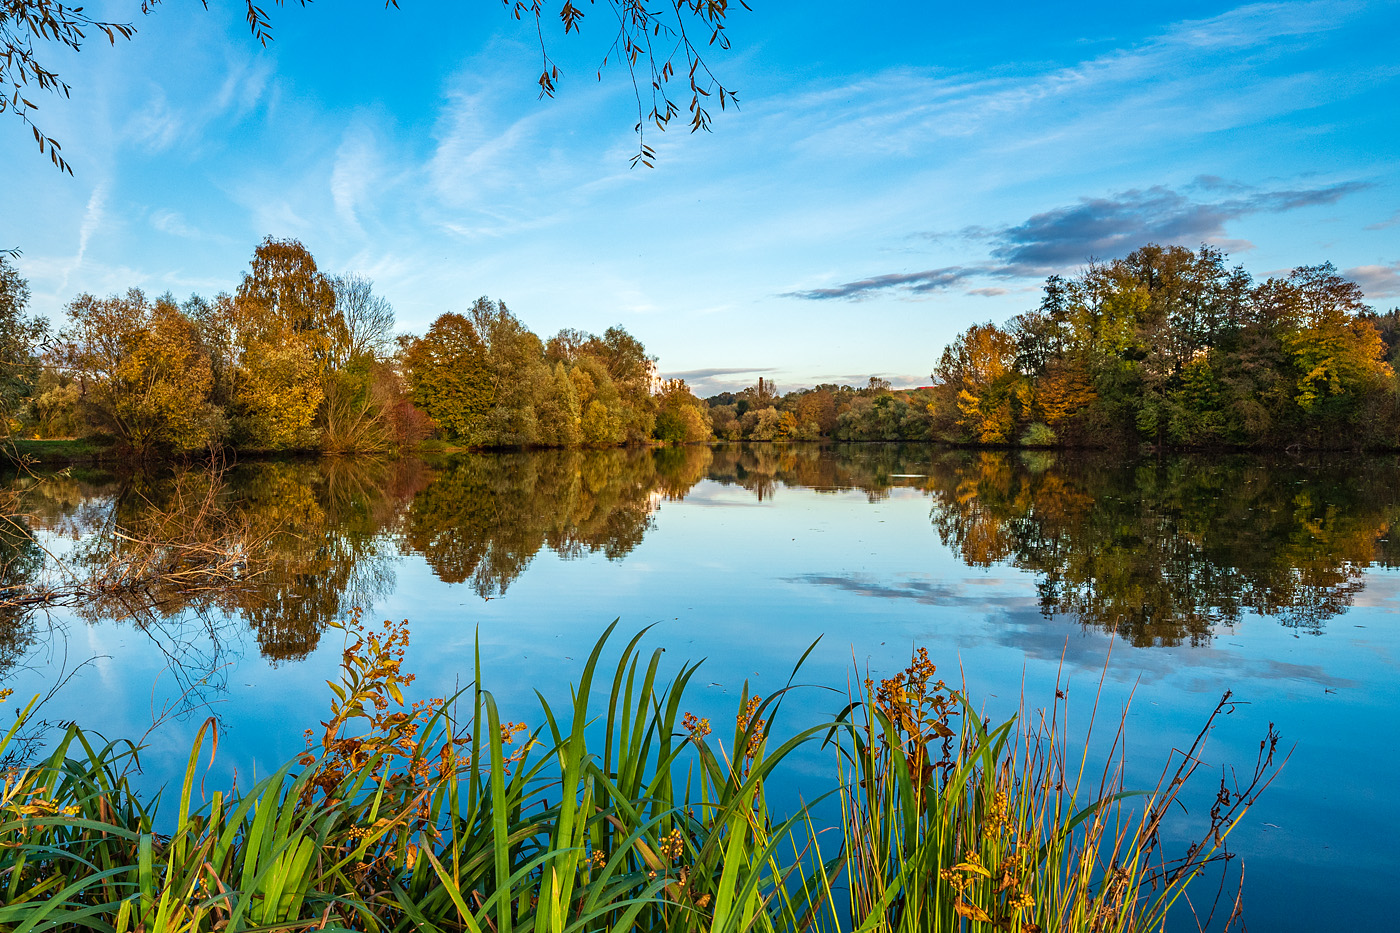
(565, 346)
(450, 378)
(141, 371)
(363, 396)
(977, 375)
(724, 421)
(817, 407)
(284, 296)
(283, 328)
(681, 417)
(1338, 355)
(1171, 346)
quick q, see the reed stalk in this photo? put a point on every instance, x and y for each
(621, 811)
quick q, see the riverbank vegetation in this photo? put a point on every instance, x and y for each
(1165, 347)
(297, 360)
(440, 815)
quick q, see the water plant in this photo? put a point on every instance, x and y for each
(1005, 827)
(621, 810)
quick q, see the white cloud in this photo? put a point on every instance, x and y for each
(356, 175)
(93, 216)
(173, 223)
(1381, 281)
(155, 126)
(1172, 80)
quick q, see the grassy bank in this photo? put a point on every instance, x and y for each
(59, 451)
(629, 814)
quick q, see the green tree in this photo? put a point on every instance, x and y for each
(450, 377)
(54, 410)
(557, 412)
(519, 376)
(21, 337)
(633, 373)
(681, 417)
(600, 406)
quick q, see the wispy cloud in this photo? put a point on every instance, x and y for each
(712, 372)
(917, 282)
(1115, 225)
(355, 175)
(1170, 80)
(1377, 281)
(173, 223)
(1096, 228)
(155, 126)
(712, 380)
(93, 216)
(1389, 222)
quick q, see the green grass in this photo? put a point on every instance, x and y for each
(624, 814)
(57, 451)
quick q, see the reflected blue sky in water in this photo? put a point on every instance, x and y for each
(749, 583)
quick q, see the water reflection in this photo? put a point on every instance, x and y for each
(485, 517)
(1161, 552)
(21, 561)
(284, 548)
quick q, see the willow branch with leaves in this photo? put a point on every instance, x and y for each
(652, 43)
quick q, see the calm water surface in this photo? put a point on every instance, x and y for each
(1168, 580)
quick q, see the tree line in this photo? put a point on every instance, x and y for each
(296, 359)
(1166, 346)
(1172, 347)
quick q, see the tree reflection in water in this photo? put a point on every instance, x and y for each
(485, 516)
(1159, 552)
(184, 553)
(1162, 551)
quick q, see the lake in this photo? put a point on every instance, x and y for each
(1163, 582)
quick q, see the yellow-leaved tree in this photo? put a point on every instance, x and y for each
(141, 372)
(285, 328)
(977, 378)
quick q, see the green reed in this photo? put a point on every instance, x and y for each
(441, 815)
(992, 828)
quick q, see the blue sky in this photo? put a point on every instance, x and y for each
(891, 177)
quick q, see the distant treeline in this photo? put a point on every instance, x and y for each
(1166, 346)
